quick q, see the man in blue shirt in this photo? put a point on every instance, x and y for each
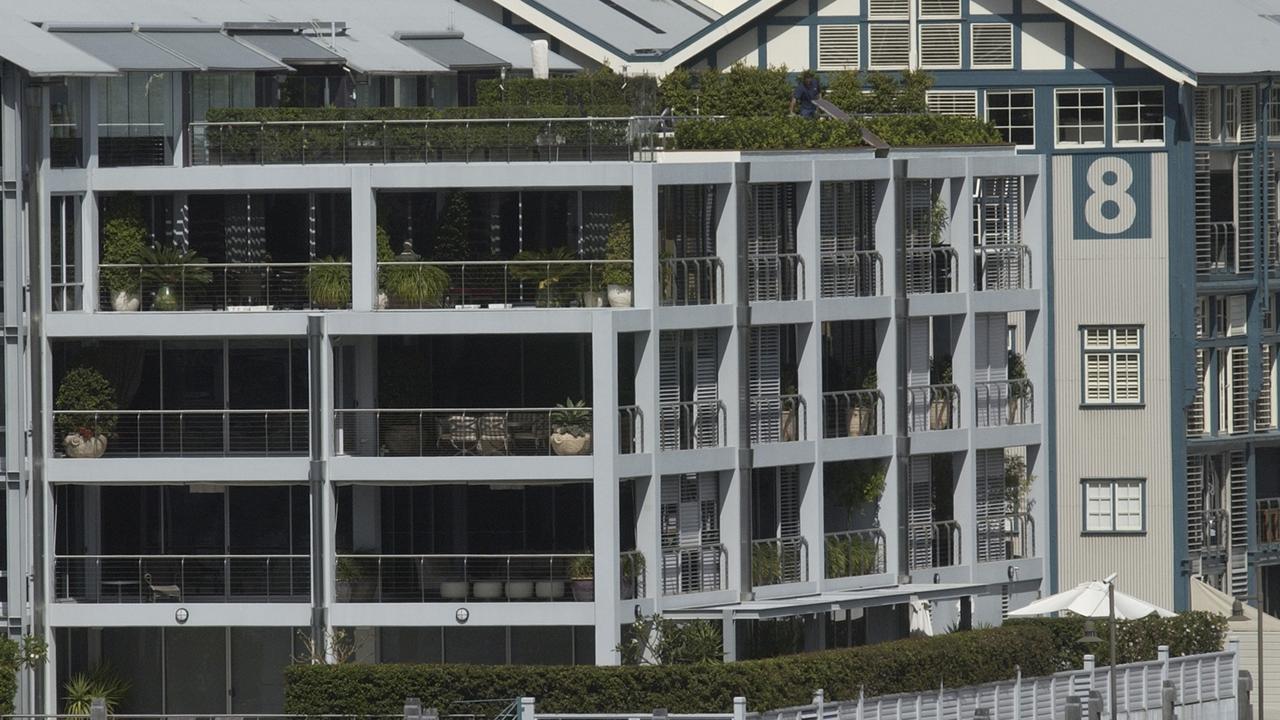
(806, 92)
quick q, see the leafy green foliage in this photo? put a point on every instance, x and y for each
(572, 417)
(553, 271)
(124, 237)
(655, 640)
(766, 564)
(1136, 640)
(796, 133)
(169, 265)
(850, 556)
(619, 248)
(103, 683)
(1040, 647)
(582, 567)
(854, 484)
(742, 91)
(15, 655)
(587, 92)
(91, 395)
(920, 130)
(329, 282)
(453, 241)
(876, 92)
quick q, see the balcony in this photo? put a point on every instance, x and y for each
(182, 578)
(416, 141)
(1219, 255)
(1268, 521)
(854, 273)
(439, 432)
(693, 568)
(465, 578)
(1011, 536)
(933, 407)
(691, 281)
(184, 433)
(500, 284)
(777, 418)
(226, 286)
(776, 561)
(933, 544)
(1217, 525)
(1004, 402)
(775, 277)
(630, 430)
(1001, 267)
(855, 553)
(852, 413)
(931, 271)
(691, 425)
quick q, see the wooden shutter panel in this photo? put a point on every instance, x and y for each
(669, 390)
(1237, 315)
(1239, 389)
(917, 204)
(946, 102)
(991, 45)
(764, 384)
(939, 8)
(839, 47)
(1195, 502)
(1266, 419)
(918, 373)
(1196, 418)
(706, 388)
(1239, 525)
(991, 360)
(1244, 212)
(889, 46)
(990, 505)
(920, 512)
(1204, 112)
(888, 9)
(1204, 240)
(940, 46)
(1248, 113)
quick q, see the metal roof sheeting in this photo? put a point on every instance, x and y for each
(42, 54)
(375, 53)
(454, 52)
(292, 49)
(126, 50)
(213, 50)
(632, 26)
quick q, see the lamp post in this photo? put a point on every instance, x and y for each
(1091, 636)
(1237, 614)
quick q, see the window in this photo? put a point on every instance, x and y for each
(838, 47)
(1081, 116)
(1112, 365)
(890, 46)
(1013, 112)
(991, 45)
(1139, 115)
(1114, 506)
(940, 46)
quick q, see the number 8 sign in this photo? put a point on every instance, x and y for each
(1112, 196)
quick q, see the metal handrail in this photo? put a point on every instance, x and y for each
(225, 286)
(846, 274)
(931, 270)
(182, 578)
(933, 407)
(450, 577)
(513, 283)
(998, 403)
(425, 432)
(777, 418)
(630, 429)
(1222, 248)
(934, 544)
(1002, 267)
(853, 553)
(852, 413)
(691, 281)
(1007, 536)
(775, 277)
(691, 424)
(776, 561)
(693, 568)
(195, 433)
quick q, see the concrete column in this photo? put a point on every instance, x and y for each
(364, 254)
(644, 224)
(729, 636)
(809, 200)
(735, 484)
(604, 492)
(813, 521)
(87, 249)
(91, 102)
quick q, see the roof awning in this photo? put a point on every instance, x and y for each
(43, 54)
(213, 50)
(452, 51)
(374, 53)
(292, 49)
(125, 49)
(828, 601)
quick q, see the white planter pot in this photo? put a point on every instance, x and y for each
(124, 301)
(593, 299)
(382, 302)
(566, 444)
(76, 445)
(619, 296)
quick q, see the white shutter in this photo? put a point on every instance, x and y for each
(932, 9)
(920, 512)
(1197, 419)
(1248, 130)
(991, 46)
(888, 9)
(1266, 400)
(706, 387)
(1204, 202)
(917, 206)
(940, 46)
(990, 505)
(918, 373)
(669, 390)
(1205, 109)
(1244, 169)
(947, 102)
(764, 384)
(1239, 525)
(1195, 502)
(889, 46)
(839, 47)
(1237, 314)
(1239, 359)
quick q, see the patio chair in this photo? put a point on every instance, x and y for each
(461, 432)
(494, 438)
(529, 429)
(166, 592)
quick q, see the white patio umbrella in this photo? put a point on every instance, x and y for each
(1089, 599)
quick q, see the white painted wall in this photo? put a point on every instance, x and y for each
(788, 46)
(1044, 46)
(1092, 52)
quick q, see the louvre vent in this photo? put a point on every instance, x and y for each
(939, 8)
(838, 47)
(890, 46)
(945, 102)
(888, 9)
(940, 46)
(991, 45)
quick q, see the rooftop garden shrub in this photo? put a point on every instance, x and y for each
(908, 130)
(91, 395)
(765, 133)
(124, 237)
(878, 92)
(587, 92)
(741, 91)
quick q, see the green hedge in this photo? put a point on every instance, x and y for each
(912, 130)
(1038, 647)
(794, 133)
(10, 663)
(588, 92)
(1136, 640)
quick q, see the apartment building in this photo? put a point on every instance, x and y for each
(277, 389)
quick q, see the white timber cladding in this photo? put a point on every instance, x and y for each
(952, 102)
(940, 46)
(1097, 282)
(889, 46)
(991, 46)
(839, 47)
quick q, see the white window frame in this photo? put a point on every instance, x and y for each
(1104, 512)
(1115, 117)
(973, 31)
(1010, 92)
(1057, 124)
(1102, 348)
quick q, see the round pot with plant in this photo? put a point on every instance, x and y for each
(175, 273)
(404, 281)
(633, 567)
(582, 571)
(124, 237)
(84, 416)
(571, 428)
(862, 411)
(940, 395)
(329, 283)
(618, 275)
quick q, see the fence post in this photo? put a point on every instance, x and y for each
(1095, 705)
(526, 708)
(1072, 710)
(1162, 654)
(98, 709)
(1168, 695)
(1089, 662)
(819, 698)
(412, 708)
(739, 708)
(659, 714)
(1244, 695)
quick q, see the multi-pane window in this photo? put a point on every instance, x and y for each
(1081, 116)
(1013, 112)
(1113, 506)
(1139, 115)
(1112, 365)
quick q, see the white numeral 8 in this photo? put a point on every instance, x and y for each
(1115, 192)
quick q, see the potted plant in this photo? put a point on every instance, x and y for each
(81, 690)
(618, 274)
(766, 565)
(171, 271)
(862, 409)
(790, 415)
(939, 218)
(582, 571)
(351, 582)
(633, 567)
(862, 485)
(404, 281)
(940, 397)
(124, 237)
(555, 271)
(84, 421)
(1018, 388)
(571, 428)
(329, 283)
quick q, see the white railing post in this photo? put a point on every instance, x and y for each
(1089, 663)
(526, 708)
(739, 708)
(819, 697)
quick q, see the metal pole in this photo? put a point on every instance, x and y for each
(1111, 616)
(1258, 610)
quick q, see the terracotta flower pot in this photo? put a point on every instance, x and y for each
(860, 421)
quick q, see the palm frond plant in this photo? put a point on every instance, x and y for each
(556, 272)
(571, 428)
(103, 682)
(329, 282)
(407, 282)
(172, 270)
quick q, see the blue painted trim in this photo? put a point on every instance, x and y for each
(762, 46)
(1069, 47)
(1051, 406)
(1181, 252)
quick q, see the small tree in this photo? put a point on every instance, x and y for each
(655, 640)
(453, 242)
(619, 249)
(86, 392)
(124, 237)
